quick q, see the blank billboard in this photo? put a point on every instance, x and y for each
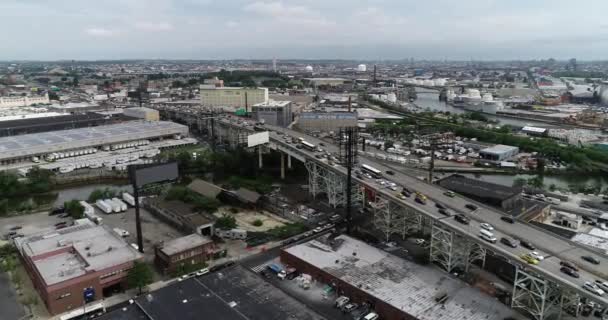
(257, 139)
(156, 173)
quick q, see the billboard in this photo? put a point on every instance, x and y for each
(147, 174)
(257, 139)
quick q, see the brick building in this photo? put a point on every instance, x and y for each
(191, 249)
(76, 265)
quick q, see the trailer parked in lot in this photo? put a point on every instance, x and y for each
(122, 205)
(103, 206)
(128, 199)
(115, 206)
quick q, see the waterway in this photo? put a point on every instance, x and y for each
(83, 192)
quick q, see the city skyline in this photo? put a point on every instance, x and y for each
(384, 29)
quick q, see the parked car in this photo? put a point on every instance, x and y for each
(350, 307)
(508, 242)
(507, 219)
(462, 219)
(527, 245)
(389, 172)
(62, 223)
(57, 210)
(591, 259)
(569, 272)
(470, 206)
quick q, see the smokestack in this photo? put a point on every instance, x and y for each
(349, 103)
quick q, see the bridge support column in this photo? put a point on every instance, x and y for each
(534, 295)
(260, 164)
(288, 162)
(570, 301)
(447, 248)
(315, 178)
(282, 166)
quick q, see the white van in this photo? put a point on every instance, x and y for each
(487, 235)
(371, 316)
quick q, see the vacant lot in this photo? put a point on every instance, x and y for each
(245, 219)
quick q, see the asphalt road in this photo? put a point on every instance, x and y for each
(10, 308)
(550, 246)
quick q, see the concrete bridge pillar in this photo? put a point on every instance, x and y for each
(282, 166)
(288, 161)
(260, 164)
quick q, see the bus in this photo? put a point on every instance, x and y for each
(372, 171)
(309, 146)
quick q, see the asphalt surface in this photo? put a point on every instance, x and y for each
(552, 247)
(10, 308)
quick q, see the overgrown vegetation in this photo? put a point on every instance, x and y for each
(257, 223)
(186, 268)
(106, 193)
(261, 184)
(225, 222)
(287, 230)
(25, 194)
(200, 203)
(74, 208)
(139, 276)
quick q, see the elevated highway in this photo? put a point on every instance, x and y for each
(540, 290)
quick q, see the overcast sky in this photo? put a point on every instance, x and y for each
(344, 29)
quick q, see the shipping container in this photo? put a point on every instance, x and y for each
(103, 206)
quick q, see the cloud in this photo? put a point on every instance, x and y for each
(153, 26)
(232, 24)
(100, 32)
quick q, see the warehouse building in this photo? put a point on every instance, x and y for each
(394, 287)
(498, 153)
(276, 113)
(326, 121)
(232, 96)
(188, 250)
(496, 195)
(76, 265)
(24, 147)
(49, 121)
(142, 113)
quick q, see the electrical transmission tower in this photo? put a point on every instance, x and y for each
(436, 141)
(348, 138)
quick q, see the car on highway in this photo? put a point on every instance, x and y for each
(62, 223)
(317, 229)
(462, 219)
(439, 206)
(537, 255)
(591, 259)
(486, 226)
(450, 194)
(509, 242)
(591, 287)
(602, 285)
(569, 264)
(527, 245)
(471, 206)
(569, 272)
(445, 212)
(406, 193)
(528, 258)
(390, 173)
(16, 228)
(507, 219)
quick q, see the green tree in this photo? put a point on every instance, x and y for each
(225, 222)
(536, 182)
(257, 223)
(552, 187)
(139, 276)
(519, 182)
(74, 208)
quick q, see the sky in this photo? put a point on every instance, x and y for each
(306, 29)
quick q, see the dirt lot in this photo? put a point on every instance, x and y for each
(245, 219)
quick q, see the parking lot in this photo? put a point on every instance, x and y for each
(30, 223)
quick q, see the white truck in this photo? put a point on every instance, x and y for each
(123, 206)
(121, 232)
(103, 206)
(128, 199)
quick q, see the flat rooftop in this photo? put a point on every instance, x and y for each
(184, 243)
(400, 283)
(498, 149)
(61, 255)
(230, 294)
(481, 189)
(273, 103)
(47, 142)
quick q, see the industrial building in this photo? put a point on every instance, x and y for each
(326, 121)
(188, 250)
(496, 195)
(498, 153)
(76, 265)
(276, 113)
(394, 287)
(232, 96)
(23, 101)
(332, 82)
(24, 147)
(142, 113)
(48, 121)
(181, 216)
(80, 107)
